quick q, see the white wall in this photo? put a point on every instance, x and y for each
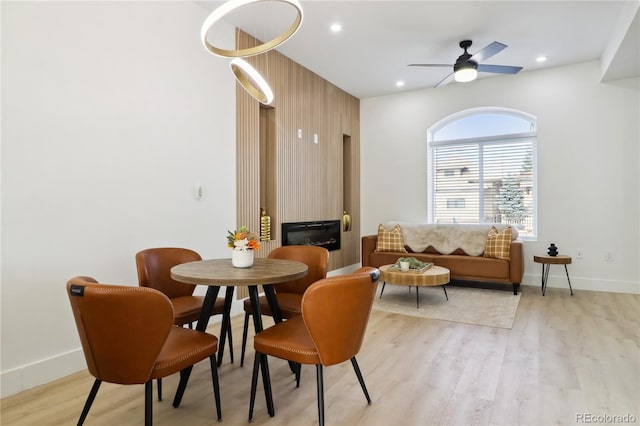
(111, 112)
(588, 149)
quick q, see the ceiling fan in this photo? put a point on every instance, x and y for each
(467, 66)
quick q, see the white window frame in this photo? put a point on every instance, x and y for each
(504, 138)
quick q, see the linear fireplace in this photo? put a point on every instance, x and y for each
(319, 233)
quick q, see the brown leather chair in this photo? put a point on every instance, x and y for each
(128, 337)
(327, 333)
(154, 270)
(289, 294)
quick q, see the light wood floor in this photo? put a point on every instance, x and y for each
(565, 355)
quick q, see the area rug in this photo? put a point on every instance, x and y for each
(479, 306)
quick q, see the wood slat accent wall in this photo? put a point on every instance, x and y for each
(308, 176)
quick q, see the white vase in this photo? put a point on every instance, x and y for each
(242, 259)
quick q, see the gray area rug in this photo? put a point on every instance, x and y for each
(479, 306)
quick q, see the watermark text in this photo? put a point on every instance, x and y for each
(605, 418)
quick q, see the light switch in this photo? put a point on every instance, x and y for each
(299, 133)
(315, 138)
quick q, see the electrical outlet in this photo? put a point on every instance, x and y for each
(579, 254)
(608, 256)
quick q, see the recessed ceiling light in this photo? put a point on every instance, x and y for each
(336, 28)
(399, 83)
(541, 58)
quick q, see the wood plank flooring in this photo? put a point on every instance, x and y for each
(564, 356)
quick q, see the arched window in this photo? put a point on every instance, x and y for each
(482, 169)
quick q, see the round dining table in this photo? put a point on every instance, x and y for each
(220, 272)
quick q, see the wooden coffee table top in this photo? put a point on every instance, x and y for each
(434, 276)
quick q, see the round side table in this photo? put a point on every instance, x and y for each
(547, 261)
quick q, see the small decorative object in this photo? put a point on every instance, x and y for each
(346, 221)
(553, 250)
(243, 244)
(411, 264)
(242, 259)
(265, 226)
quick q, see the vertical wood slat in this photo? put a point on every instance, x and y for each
(309, 181)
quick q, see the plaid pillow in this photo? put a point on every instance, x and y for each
(498, 243)
(390, 241)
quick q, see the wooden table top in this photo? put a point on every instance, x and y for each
(434, 276)
(561, 259)
(221, 272)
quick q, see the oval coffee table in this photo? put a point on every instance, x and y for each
(432, 277)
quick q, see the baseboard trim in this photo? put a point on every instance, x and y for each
(41, 372)
(584, 283)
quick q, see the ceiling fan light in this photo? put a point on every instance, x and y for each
(464, 74)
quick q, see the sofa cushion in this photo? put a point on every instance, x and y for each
(474, 267)
(390, 241)
(498, 243)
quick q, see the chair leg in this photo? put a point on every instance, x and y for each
(298, 374)
(216, 385)
(244, 338)
(266, 384)
(320, 386)
(90, 398)
(148, 408)
(254, 383)
(360, 379)
(182, 385)
(160, 389)
(225, 331)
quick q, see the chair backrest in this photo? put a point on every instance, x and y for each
(336, 311)
(122, 328)
(316, 259)
(154, 269)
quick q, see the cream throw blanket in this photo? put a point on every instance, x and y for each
(447, 238)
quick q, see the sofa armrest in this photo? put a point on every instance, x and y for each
(368, 246)
(516, 261)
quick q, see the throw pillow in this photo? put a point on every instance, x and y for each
(390, 240)
(498, 243)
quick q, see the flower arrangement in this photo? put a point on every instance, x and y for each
(242, 240)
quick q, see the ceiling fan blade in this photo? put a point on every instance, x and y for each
(429, 65)
(499, 69)
(448, 79)
(490, 50)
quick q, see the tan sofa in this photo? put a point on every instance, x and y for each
(448, 245)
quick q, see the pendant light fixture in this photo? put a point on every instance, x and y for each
(231, 5)
(252, 81)
(248, 77)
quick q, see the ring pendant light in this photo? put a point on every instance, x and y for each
(251, 80)
(231, 5)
